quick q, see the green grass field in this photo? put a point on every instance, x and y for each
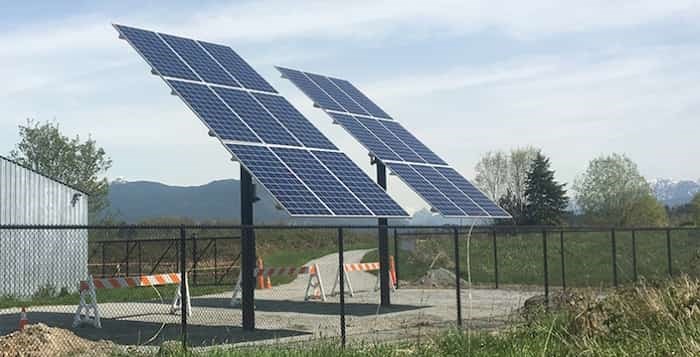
(587, 257)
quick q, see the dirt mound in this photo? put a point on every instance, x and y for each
(42, 340)
(438, 278)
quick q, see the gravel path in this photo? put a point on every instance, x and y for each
(282, 314)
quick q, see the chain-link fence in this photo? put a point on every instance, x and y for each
(149, 285)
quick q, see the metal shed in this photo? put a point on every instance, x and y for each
(32, 259)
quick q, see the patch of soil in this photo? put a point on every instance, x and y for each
(42, 340)
(437, 279)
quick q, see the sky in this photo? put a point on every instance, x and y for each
(578, 79)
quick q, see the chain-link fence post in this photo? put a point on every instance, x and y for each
(613, 242)
(341, 280)
(458, 284)
(183, 287)
(546, 268)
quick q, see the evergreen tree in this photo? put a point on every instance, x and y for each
(546, 198)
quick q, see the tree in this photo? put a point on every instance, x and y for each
(514, 206)
(491, 174)
(612, 191)
(546, 198)
(43, 148)
(695, 204)
(499, 172)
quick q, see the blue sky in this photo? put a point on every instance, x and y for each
(577, 79)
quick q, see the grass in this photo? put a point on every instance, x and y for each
(587, 257)
(645, 319)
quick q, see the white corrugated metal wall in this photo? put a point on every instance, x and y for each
(31, 259)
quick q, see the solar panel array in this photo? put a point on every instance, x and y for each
(286, 154)
(425, 172)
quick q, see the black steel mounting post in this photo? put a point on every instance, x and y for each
(634, 254)
(341, 277)
(546, 268)
(613, 242)
(183, 288)
(247, 251)
(458, 278)
(668, 252)
(495, 256)
(384, 280)
(561, 256)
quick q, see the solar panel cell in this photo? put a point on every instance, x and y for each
(294, 121)
(450, 191)
(279, 180)
(390, 140)
(373, 196)
(415, 144)
(426, 190)
(156, 52)
(248, 109)
(365, 137)
(339, 96)
(467, 187)
(238, 67)
(336, 197)
(199, 60)
(360, 98)
(310, 88)
(213, 111)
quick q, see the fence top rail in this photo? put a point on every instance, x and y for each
(159, 240)
(402, 228)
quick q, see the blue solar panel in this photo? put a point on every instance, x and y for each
(334, 92)
(294, 121)
(248, 109)
(360, 98)
(415, 144)
(213, 111)
(356, 180)
(450, 191)
(199, 60)
(336, 197)
(281, 182)
(390, 140)
(238, 67)
(365, 137)
(426, 190)
(310, 88)
(156, 52)
(465, 186)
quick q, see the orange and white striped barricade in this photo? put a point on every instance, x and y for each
(356, 267)
(88, 312)
(315, 281)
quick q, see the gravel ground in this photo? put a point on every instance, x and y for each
(282, 315)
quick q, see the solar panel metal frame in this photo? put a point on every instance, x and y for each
(387, 119)
(226, 142)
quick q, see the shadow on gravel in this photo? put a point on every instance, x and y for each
(129, 332)
(311, 307)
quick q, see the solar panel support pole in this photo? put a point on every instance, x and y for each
(383, 243)
(247, 251)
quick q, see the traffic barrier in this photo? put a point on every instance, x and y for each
(361, 267)
(23, 321)
(315, 281)
(88, 312)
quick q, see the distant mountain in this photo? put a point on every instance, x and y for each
(674, 193)
(217, 200)
(137, 201)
